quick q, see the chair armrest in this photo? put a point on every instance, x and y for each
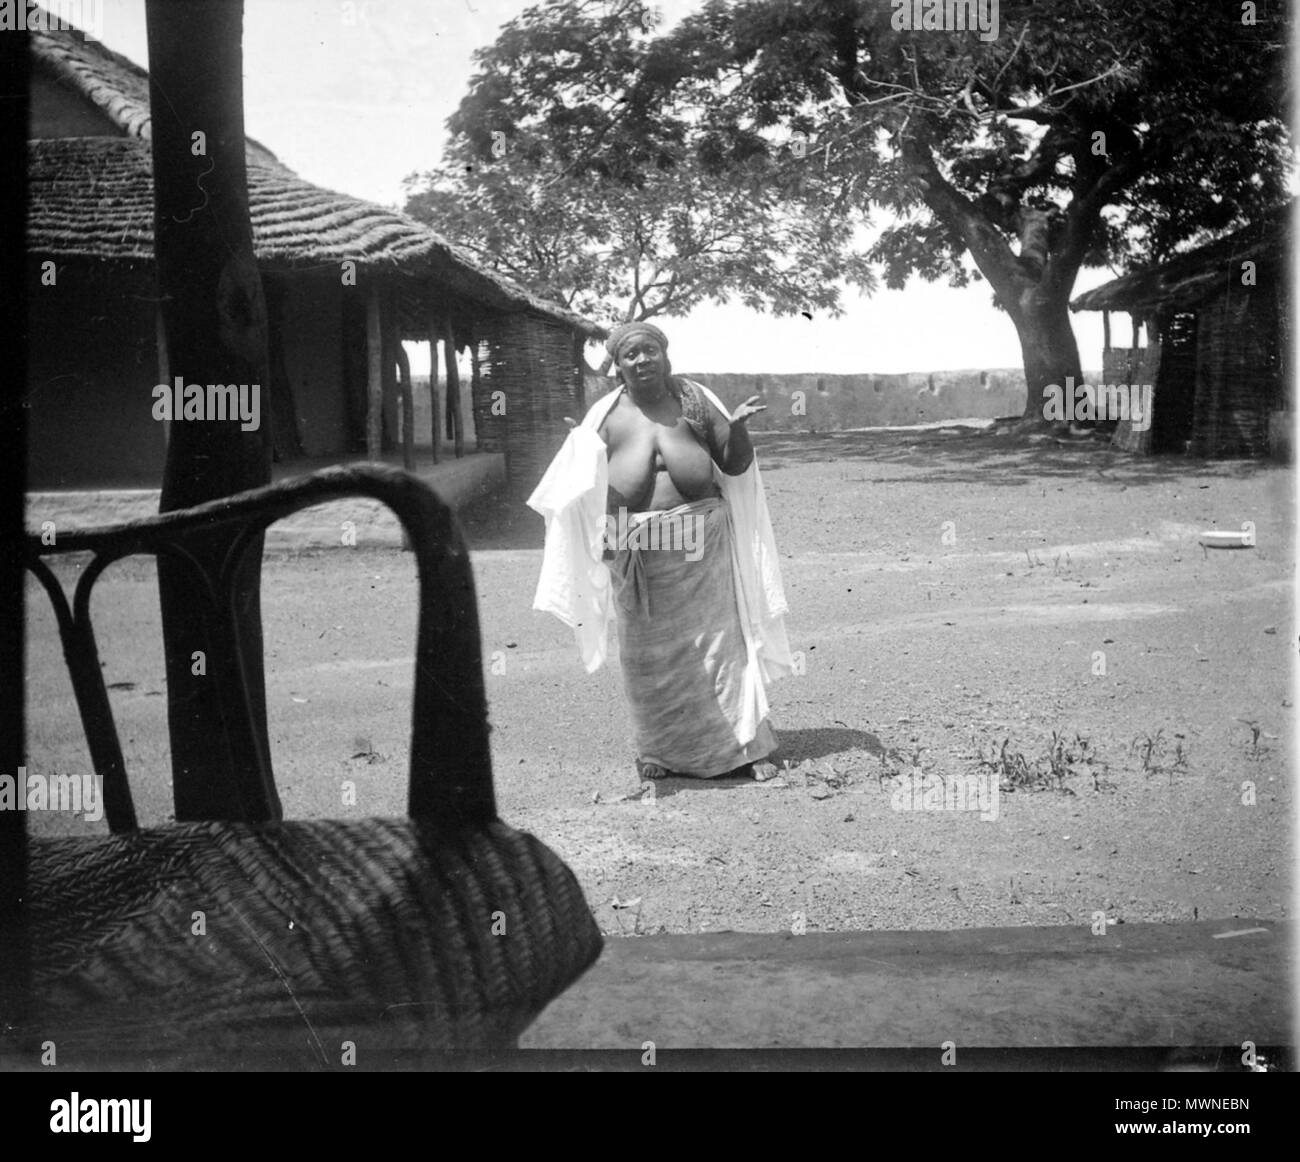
(451, 772)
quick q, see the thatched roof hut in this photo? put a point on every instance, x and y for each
(341, 274)
(1219, 341)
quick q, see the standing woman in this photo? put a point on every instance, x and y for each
(655, 516)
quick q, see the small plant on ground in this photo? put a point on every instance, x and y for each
(893, 763)
(1154, 751)
(363, 748)
(1254, 750)
(1065, 759)
(1012, 770)
(1077, 757)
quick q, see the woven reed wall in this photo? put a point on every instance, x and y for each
(531, 360)
(1238, 372)
(1132, 365)
(491, 430)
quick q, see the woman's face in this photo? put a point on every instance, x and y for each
(642, 362)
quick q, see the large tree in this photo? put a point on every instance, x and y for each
(547, 178)
(1086, 132)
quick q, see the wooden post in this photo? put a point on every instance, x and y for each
(392, 407)
(475, 389)
(214, 314)
(408, 421)
(164, 371)
(17, 1000)
(434, 400)
(374, 373)
(453, 386)
(408, 408)
(1137, 330)
(1105, 330)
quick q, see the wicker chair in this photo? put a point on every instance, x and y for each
(389, 940)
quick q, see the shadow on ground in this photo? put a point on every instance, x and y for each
(821, 742)
(796, 746)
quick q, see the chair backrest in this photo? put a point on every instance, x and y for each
(451, 771)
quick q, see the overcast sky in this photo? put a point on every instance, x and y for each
(355, 96)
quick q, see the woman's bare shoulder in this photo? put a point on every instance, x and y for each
(610, 404)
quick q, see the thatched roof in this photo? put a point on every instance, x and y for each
(1188, 279)
(111, 82)
(92, 198)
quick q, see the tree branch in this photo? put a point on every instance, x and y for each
(1084, 211)
(954, 209)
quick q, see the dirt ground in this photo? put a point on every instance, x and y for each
(948, 591)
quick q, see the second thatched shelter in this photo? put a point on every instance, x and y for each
(1218, 329)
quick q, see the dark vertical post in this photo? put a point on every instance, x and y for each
(374, 373)
(435, 404)
(215, 322)
(164, 370)
(453, 386)
(482, 413)
(389, 331)
(15, 959)
(408, 407)
(286, 440)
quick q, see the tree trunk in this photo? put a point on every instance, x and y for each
(1047, 346)
(215, 321)
(1034, 285)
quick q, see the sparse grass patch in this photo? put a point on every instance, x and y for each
(1064, 759)
(1156, 756)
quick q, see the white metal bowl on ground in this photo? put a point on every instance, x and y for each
(1226, 539)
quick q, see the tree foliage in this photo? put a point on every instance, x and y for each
(1085, 132)
(1168, 113)
(558, 173)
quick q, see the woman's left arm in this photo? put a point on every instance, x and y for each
(736, 450)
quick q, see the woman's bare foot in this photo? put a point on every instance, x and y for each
(651, 771)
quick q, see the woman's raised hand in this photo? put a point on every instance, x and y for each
(749, 408)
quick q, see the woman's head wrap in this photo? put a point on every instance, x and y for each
(628, 331)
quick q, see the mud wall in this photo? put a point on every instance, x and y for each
(832, 403)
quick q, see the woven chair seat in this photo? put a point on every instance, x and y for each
(392, 933)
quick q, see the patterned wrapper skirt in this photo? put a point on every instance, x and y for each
(687, 669)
